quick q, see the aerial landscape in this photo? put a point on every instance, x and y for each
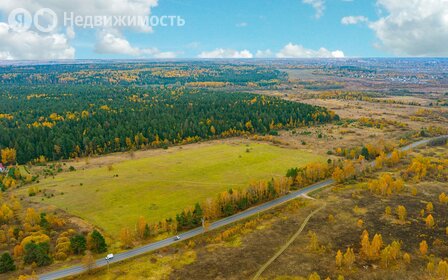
(160, 139)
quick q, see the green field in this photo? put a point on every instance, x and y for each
(160, 186)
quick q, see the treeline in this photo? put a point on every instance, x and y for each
(373, 97)
(369, 151)
(225, 204)
(138, 74)
(58, 122)
(231, 202)
(422, 168)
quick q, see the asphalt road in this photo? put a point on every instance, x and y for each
(223, 222)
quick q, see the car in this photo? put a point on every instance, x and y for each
(177, 238)
(109, 257)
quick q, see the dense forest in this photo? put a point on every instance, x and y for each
(141, 74)
(67, 121)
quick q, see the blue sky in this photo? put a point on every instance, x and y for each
(235, 29)
(253, 25)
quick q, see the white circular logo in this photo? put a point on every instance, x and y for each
(49, 17)
(20, 19)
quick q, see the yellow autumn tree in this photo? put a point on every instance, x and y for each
(379, 160)
(371, 250)
(394, 158)
(386, 185)
(249, 126)
(126, 238)
(349, 258)
(423, 248)
(388, 211)
(386, 256)
(360, 223)
(407, 258)
(442, 269)
(402, 213)
(85, 114)
(443, 198)
(9, 155)
(18, 251)
(365, 244)
(339, 259)
(338, 174)
(314, 276)
(141, 227)
(391, 253)
(419, 168)
(32, 217)
(377, 244)
(395, 250)
(6, 214)
(429, 207)
(422, 213)
(314, 241)
(349, 169)
(429, 221)
(33, 276)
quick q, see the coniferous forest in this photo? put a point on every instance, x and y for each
(71, 121)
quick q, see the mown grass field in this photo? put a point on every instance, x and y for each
(160, 186)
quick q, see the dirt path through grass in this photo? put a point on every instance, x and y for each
(282, 249)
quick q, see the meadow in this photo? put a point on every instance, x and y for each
(160, 186)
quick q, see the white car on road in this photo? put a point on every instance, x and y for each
(109, 257)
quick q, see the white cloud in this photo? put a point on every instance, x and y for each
(112, 42)
(164, 55)
(288, 51)
(85, 7)
(29, 45)
(298, 51)
(318, 5)
(242, 24)
(349, 20)
(413, 28)
(264, 54)
(37, 45)
(226, 53)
